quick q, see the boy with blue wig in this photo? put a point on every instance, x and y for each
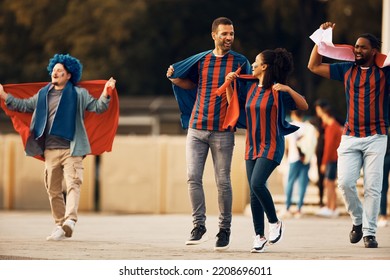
(58, 135)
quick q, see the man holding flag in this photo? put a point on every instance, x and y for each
(366, 78)
(57, 133)
(195, 83)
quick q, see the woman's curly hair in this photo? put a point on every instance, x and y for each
(280, 65)
(71, 64)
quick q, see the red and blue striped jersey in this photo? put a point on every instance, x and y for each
(367, 95)
(210, 109)
(263, 135)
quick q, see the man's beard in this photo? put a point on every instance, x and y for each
(360, 61)
(225, 48)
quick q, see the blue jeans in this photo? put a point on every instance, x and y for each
(297, 171)
(353, 154)
(221, 145)
(258, 172)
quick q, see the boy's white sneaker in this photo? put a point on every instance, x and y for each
(382, 223)
(68, 227)
(57, 234)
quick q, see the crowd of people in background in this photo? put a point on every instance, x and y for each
(322, 134)
(300, 149)
(327, 137)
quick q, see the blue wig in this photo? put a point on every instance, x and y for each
(71, 64)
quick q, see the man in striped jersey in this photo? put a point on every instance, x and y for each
(195, 82)
(364, 140)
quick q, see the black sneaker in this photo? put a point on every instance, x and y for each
(197, 236)
(356, 234)
(223, 239)
(370, 241)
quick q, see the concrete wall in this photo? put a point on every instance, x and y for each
(142, 174)
(21, 179)
(148, 175)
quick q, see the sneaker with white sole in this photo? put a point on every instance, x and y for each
(57, 234)
(325, 212)
(259, 244)
(223, 240)
(382, 223)
(275, 232)
(68, 227)
(197, 235)
(335, 213)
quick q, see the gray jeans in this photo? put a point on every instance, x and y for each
(221, 145)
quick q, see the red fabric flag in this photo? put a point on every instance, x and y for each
(222, 88)
(101, 128)
(233, 111)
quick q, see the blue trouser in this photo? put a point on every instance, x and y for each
(297, 171)
(221, 145)
(258, 172)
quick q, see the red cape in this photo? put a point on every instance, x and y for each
(234, 111)
(101, 128)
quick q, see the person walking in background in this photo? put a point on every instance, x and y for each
(266, 100)
(332, 138)
(318, 105)
(364, 139)
(300, 149)
(382, 221)
(195, 82)
(58, 135)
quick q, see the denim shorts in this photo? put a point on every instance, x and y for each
(331, 170)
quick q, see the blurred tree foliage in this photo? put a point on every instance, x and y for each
(136, 40)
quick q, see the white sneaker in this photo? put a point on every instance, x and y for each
(325, 212)
(259, 244)
(335, 213)
(275, 232)
(382, 223)
(68, 227)
(57, 234)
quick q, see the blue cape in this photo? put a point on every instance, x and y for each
(187, 68)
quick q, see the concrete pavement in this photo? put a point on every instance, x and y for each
(103, 236)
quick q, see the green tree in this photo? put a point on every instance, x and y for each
(135, 41)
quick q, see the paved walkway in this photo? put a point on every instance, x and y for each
(162, 237)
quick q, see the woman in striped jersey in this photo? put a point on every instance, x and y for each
(267, 98)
